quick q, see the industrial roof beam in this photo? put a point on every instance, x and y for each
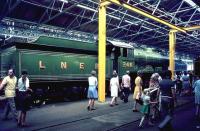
(60, 13)
(10, 8)
(72, 22)
(130, 21)
(164, 13)
(190, 22)
(156, 7)
(192, 28)
(191, 17)
(112, 16)
(177, 11)
(164, 40)
(47, 10)
(146, 14)
(182, 38)
(142, 32)
(104, 3)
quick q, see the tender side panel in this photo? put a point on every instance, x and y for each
(58, 66)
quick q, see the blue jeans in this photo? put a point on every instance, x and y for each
(167, 106)
(10, 106)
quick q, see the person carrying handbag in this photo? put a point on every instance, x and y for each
(138, 90)
(22, 98)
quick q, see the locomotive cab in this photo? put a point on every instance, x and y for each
(119, 52)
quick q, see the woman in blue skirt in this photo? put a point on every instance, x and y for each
(92, 90)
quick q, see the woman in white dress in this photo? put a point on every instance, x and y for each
(114, 87)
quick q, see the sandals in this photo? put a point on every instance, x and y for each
(93, 108)
(18, 124)
(88, 108)
(24, 125)
(140, 126)
(134, 110)
(21, 125)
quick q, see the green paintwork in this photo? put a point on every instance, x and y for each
(52, 62)
(29, 60)
(125, 64)
(58, 42)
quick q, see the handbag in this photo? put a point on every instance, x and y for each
(139, 99)
(137, 96)
(121, 95)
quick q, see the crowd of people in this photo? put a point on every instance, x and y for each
(156, 100)
(159, 98)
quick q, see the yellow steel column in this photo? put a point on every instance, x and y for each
(172, 42)
(102, 53)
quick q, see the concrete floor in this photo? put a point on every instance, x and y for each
(73, 116)
(183, 120)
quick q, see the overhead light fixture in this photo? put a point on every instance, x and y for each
(91, 9)
(190, 2)
(64, 1)
(112, 16)
(87, 8)
(130, 22)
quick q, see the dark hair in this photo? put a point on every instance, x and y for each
(93, 72)
(11, 69)
(114, 73)
(24, 72)
(167, 74)
(139, 73)
(185, 72)
(128, 72)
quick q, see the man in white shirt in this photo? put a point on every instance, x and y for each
(126, 85)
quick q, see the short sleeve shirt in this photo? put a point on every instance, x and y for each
(92, 81)
(23, 86)
(165, 87)
(10, 86)
(126, 81)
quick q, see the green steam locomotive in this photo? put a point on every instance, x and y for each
(60, 67)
